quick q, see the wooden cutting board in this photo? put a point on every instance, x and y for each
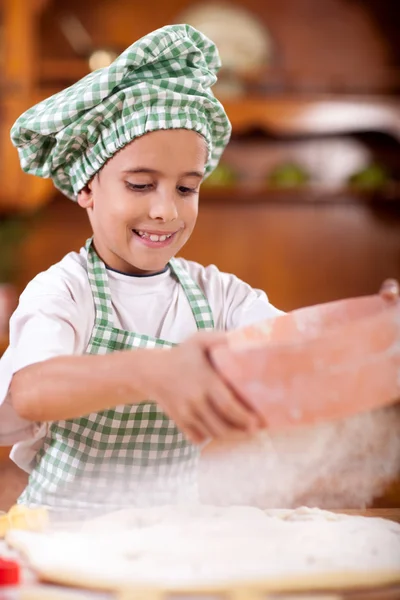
(33, 590)
(393, 514)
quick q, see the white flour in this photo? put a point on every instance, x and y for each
(342, 464)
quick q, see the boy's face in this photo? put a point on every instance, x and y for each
(143, 203)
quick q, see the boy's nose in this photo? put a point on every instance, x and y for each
(163, 207)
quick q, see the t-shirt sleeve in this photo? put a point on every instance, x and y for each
(234, 303)
(245, 305)
(45, 325)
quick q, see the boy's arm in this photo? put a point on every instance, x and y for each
(49, 376)
(181, 380)
(68, 387)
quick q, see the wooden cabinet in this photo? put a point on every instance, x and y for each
(310, 86)
(3, 344)
(19, 20)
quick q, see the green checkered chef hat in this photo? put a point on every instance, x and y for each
(162, 81)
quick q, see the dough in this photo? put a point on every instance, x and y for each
(211, 548)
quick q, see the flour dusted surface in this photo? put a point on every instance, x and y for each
(199, 546)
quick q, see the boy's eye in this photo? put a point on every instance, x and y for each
(138, 186)
(143, 187)
(185, 190)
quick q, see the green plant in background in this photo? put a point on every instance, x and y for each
(12, 232)
(372, 178)
(288, 175)
(222, 176)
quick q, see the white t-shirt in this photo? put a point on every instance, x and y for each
(55, 317)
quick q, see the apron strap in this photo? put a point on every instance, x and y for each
(98, 279)
(198, 302)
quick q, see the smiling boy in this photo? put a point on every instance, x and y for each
(131, 144)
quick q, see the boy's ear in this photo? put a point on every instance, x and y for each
(85, 196)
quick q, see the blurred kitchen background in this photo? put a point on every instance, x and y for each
(306, 201)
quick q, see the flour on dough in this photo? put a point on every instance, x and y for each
(208, 547)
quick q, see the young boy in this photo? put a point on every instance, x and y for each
(88, 418)
(130, 143)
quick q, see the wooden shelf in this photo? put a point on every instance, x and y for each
(305, 115)
(307, 194)
(294, 114)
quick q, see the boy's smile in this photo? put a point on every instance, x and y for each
(155, 239)
(143, 203)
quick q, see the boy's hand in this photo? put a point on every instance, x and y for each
(390, 290)
(194, 395)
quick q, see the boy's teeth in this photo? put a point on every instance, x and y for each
(153, 237)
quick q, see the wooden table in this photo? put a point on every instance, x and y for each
(3, 343)
(32, 590)
(393, 514)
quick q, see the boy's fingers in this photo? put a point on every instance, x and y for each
(209, 418)
(254, 409)
(390, 290)
(193, 430)
(195, 434)
(229, 407)
(198, 428)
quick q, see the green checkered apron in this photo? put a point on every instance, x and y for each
(130, 454)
